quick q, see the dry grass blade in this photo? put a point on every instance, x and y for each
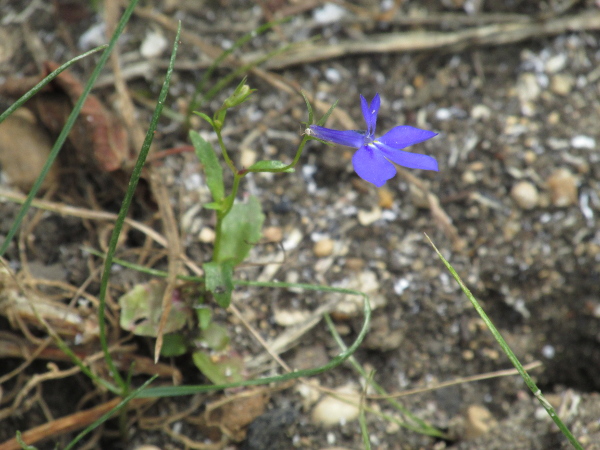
(496, 34)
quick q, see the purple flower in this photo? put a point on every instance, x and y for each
(373, 159)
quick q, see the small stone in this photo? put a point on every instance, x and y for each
(563, 188)
(525, 194)
(153, 45)
(331, 411)
(529, 157)
(366, 218)
(248, 157)
(528, 88)
(290, 317)
(323, 248)
(481, 112)
(386, 198)
(273, 234)
(207, 235)
(479, 421)
(582, 141)
(556, 63)
(469, 177)
(562, 84)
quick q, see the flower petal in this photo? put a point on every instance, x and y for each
(403, 136)
(349, 138)
(407, 159)
(371, 166)
(370, 111)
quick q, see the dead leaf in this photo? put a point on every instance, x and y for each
(98, 136)
(233, 414)
(24, 149)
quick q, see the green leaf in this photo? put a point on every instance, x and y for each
(219, 281)
(310, 110)
(215, 337)
(213, 205)
(323, 119)
(268, 166)
(204, 315)
(212, 168)
(220, 369)
(240, 230)
(173, 345)
(205, 117)
(141, 310)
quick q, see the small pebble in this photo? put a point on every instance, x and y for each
(153, 45)
(525, 194)
(331, 411)
(323, 248)
(582, 141)
(207, 235)
(562, 84)
(366, 218)
(479, 420)
(273, 234)
(563, 188)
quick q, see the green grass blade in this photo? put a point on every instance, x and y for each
(133, 182)
(507, 350)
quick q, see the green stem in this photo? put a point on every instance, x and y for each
(228, 160)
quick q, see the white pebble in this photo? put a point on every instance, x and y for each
(154, 44)
(582, 141)
(329, 13)
(525, 194)
(331, 411)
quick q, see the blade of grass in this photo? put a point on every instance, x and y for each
(114, 239)
(507, 350)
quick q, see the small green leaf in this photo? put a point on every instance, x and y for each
(215, 337)
(212, 168)
(204, 315)
(310, 110)
(205, 117)
(220, 369)
(141, 310)
(219, 281)
(268, 166)
(323, 119)
(240, 230)
(173, 345)
(213, 205)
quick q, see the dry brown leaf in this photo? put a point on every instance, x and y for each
(98, 136)
(24, 148)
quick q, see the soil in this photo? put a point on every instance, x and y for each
(514, 208)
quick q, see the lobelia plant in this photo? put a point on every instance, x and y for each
(238, 226)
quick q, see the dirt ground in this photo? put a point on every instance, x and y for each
(512, 88)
